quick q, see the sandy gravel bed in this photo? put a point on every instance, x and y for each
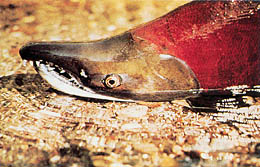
(42, 127)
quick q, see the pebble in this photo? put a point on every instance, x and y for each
(75, 165)
(117, 164)
(28, 19)
(177, 149)
(131, 126)
(55, 38)
(100, 163)
(16, 28)
(111, 28)
(168, 161)
(16, 34)
(136, 111)
(55, 159)
(49, 113)
(145, 156)
(147, 148)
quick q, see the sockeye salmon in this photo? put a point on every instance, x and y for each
(200, 50)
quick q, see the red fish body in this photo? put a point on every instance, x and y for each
(198, 51)
(219, 41)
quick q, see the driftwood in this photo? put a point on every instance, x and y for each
(42, 127)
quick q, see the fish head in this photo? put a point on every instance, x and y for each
(121, 68)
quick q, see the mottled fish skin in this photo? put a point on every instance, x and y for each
(203, 45)
(219, 40)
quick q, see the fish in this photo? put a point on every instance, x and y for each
(200, 50)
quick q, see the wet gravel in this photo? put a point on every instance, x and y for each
(43, 127)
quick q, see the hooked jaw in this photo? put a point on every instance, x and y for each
(121, 68)
(59, 65)
(65, 81)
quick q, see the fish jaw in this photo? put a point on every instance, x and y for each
(86, 69)
(60, 65)
(70, 86)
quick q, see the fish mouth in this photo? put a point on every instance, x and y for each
(59, 63)
(65, 81)
(83, 69)
(72, 68)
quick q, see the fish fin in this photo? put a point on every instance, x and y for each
(208, 103)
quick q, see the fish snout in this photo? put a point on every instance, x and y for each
(122, 68)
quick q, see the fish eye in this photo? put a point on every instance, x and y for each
(112, 81)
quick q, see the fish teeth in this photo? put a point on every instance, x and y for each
(31, 62)
(25, 63)
(83, 74)
(50, 69)
(72, 80)
(49, 64)
(57, 71)
(62, 71)
(37, 63)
